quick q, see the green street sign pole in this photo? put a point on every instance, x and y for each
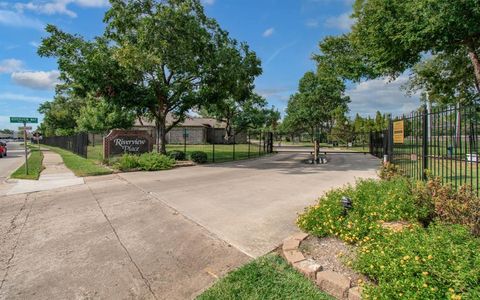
(25, 144)
(24, 120)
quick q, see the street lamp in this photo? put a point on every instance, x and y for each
(347, 204)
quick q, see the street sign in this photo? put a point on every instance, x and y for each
(398, 132)
(25, 128)
(23, 120)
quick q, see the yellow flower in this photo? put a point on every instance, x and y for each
(406, 257)
(425, 273)
(430, 257)
(417, 258)
(451, 290)
(425, 285)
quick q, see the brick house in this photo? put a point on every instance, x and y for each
(195, 130)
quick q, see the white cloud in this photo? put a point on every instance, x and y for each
(11, 65)
(20, 97)
(17, 19)
(53, 7)
(378, 94)
(268, 32)
(48, 8)
(312, 23)
(208, 2)
(34, 44)
(276, 93)
(343, 21)
(97, 3)
(38, 80)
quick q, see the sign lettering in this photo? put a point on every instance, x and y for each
(398, 132)
(119, 142)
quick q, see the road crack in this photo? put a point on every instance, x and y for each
(12, 256)
(139, 270)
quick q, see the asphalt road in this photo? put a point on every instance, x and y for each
(14, 159)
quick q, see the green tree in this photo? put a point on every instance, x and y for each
(395, 34)
(99, 116)
(445, 79)
(238, 115)
(60, 115)
(312, 108)
(342, 131)
(157, 58)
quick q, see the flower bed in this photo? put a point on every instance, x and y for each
(429, 259)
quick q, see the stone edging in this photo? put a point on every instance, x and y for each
(333, 283)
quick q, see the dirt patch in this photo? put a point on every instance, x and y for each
(334, 255)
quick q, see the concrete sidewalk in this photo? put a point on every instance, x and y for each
(105, 239)
(55, 175)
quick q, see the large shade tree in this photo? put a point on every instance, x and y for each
(313, 107)
(158, 58)
(445, 79)
(394, 35)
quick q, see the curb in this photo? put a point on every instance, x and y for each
(333, 283)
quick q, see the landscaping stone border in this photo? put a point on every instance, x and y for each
(333, 283)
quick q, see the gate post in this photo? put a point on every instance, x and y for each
(425, 126)
(389, 142)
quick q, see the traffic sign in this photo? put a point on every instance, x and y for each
(25, 128)
(23, 120)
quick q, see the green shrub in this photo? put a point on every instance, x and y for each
(155, 162)
(177, 155)
(199, 157)
(452, 206)
(127, 162)
(389, 171)
(374, 202)
(440, 262)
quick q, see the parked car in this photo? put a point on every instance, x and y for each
(3, 149)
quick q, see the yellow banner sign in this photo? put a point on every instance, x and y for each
(398, 132)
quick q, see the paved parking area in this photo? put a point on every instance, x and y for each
(160, 235)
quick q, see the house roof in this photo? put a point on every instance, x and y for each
(189, 122)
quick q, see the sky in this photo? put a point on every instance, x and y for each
(283, 33)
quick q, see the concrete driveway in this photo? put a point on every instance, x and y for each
(161, 235)
(253, 204)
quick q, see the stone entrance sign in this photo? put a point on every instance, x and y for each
(127, 141)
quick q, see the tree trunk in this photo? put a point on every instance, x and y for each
(161, 135)
(475, 61)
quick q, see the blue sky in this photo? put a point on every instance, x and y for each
(284, 33)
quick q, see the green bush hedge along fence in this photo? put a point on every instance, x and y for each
(239, 146)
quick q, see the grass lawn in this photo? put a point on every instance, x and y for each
(268, 277)
(79, 165)
(34, 166)
(222, 153)
(95, 153)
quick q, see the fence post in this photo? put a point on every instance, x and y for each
(184, 140)
(214, 135)
(425, 143)
(389, 144)
(248, 136)
(234, 133)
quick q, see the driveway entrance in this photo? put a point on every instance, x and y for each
(160, 235)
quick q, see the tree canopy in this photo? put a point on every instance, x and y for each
(157, 57)
(394, 35)
(313, 107)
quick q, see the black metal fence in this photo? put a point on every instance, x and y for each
(442, 142)
(77, 143)
(378, 144)
(218, 145)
